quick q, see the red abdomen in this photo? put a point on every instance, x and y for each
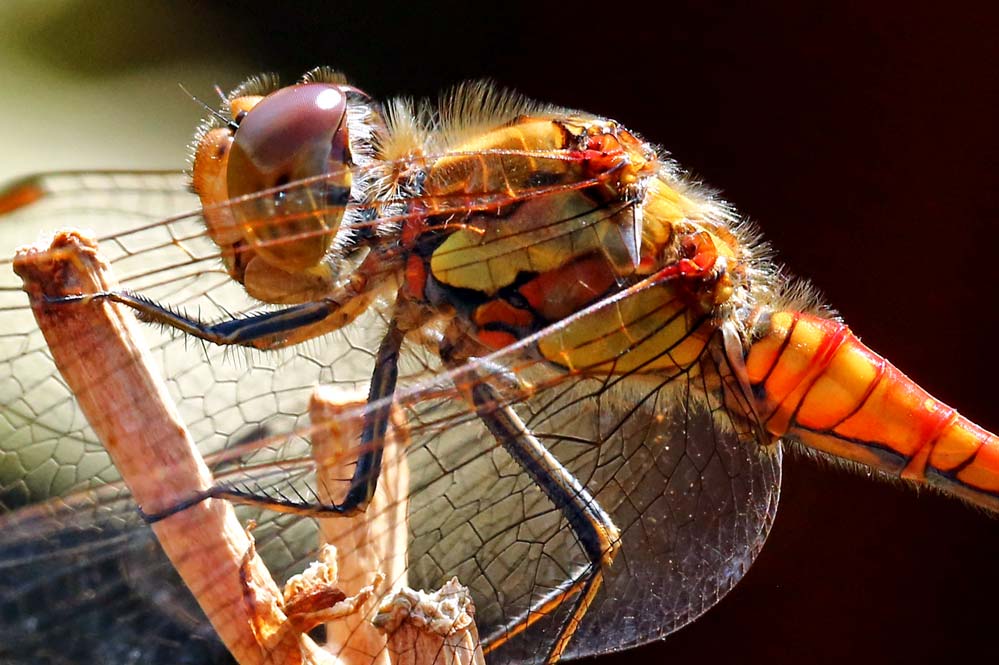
(815, 383)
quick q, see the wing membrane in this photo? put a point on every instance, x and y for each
(692, 491)
(685, 480)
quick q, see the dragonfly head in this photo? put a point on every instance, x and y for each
(274, 183)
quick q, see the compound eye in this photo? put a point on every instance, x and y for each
(296, 133)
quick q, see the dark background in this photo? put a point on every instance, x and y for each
(863, 140)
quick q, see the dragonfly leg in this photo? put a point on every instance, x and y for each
(272, 329)
(264, 330)
(593, 527)
(364, 480)
(583, 588)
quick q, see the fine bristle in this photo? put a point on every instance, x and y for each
(324, 74)
(405, 132)
(471, 108)
(261, 84)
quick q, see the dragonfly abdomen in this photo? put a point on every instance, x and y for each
(817, 384)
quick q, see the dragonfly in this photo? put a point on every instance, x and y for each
(599, 365)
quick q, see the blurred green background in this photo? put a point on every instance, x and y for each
(863, 138)
(94, 84)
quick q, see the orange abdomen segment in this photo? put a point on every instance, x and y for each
(815, 383)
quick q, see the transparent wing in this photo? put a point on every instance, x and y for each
(159, 248)
(683, 477)
(75, 572)
(690, 488)
(96, 591)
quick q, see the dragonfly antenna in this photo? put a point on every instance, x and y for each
(232, 124)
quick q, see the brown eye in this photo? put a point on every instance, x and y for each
(295, 133)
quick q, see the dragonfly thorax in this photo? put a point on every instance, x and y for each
(606, 219)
